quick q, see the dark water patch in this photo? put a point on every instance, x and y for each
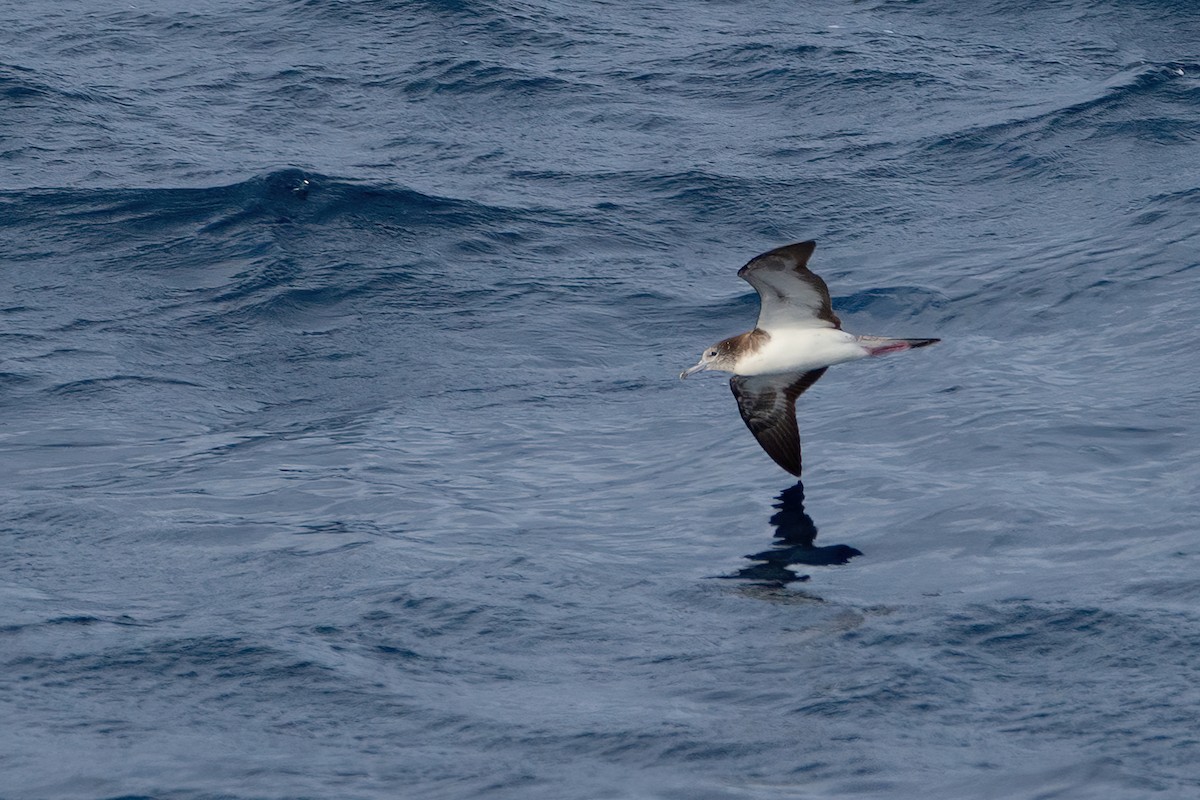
(776, 207)
(278, 198)
(70, 621)
(20, 85)
(1167, 211)
(743, 73)
(720, 59)
(93, 386)
(893, 303)
(1054, 140)
(475, 77)
(30, 89)
(10, 380)
(209, 659)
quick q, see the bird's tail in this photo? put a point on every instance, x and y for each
(881, 345)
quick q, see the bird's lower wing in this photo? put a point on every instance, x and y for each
(768, 407)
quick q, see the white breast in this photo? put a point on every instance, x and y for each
(800, 350)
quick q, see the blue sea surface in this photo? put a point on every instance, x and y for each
(343, 454)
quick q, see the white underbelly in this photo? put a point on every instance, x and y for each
(800, 350)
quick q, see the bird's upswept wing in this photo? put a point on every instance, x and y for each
(768, 406)
(791, 295)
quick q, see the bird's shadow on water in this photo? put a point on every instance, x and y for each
(795, 534)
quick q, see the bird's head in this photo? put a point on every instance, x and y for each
(718, 357)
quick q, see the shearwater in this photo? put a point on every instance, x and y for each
(797, 337)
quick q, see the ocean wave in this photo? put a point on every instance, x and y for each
(1147, 101)
(477, 77)
(283, 196)
(25, 89)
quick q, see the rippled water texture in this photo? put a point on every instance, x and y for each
(343, 452)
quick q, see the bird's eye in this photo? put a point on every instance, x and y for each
(712, 353)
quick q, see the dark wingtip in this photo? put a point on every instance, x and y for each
(801, 251)
(780, 454)
(784, 459)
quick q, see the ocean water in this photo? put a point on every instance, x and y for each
(343, 453)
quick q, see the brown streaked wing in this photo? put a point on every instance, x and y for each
(790, 294)
(768, 407)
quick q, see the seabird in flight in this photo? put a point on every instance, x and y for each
(796, 339)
